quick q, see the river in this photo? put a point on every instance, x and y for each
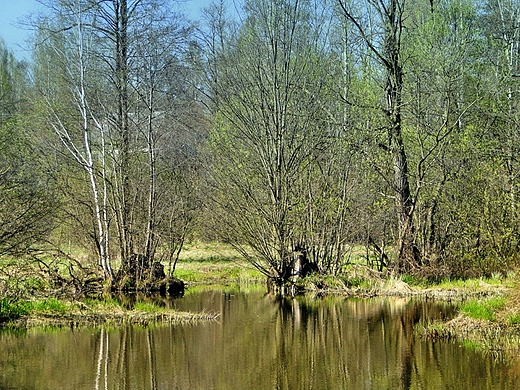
(258, 342)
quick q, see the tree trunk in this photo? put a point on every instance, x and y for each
(407, 254)
(128, 261)
(391, 13)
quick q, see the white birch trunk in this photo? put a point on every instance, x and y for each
(82, 151)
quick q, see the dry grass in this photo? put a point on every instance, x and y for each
(77, 320)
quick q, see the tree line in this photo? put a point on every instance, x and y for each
(292, 129)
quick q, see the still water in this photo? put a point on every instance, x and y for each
(258, 342)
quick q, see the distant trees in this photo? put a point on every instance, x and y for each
(26, 195)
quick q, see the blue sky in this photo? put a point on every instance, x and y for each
(13, 12)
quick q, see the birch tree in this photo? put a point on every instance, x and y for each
(73, 49)
(122, 62)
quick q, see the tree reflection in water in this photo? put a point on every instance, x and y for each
(261, 342)
(349, 338)
(102, 360)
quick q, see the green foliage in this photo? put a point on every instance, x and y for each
(410, 280)
(26, 199)
(356, 282)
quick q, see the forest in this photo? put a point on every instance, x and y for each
(294, 130)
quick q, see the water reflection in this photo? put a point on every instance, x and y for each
(356, 343)
(259, 342)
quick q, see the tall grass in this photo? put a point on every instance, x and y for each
(10, 310)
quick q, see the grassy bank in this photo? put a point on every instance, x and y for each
(359, 280)
(90, 312)
(490, 324)
(31, 297)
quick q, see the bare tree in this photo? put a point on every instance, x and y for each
(78, 138)
(275, 127)
(124, 65)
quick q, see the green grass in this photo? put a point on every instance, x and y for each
(483, 310)
(472, 345)
(214, 263)
(208, 252)
(48, 306)
(10, 310)
(148, 307)
(513, 319)
(102, 304)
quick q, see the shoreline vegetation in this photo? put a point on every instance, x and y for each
(488, 317)
(81, 315)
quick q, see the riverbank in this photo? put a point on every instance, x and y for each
(210, 264)
(488, 323)
(488, 317)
